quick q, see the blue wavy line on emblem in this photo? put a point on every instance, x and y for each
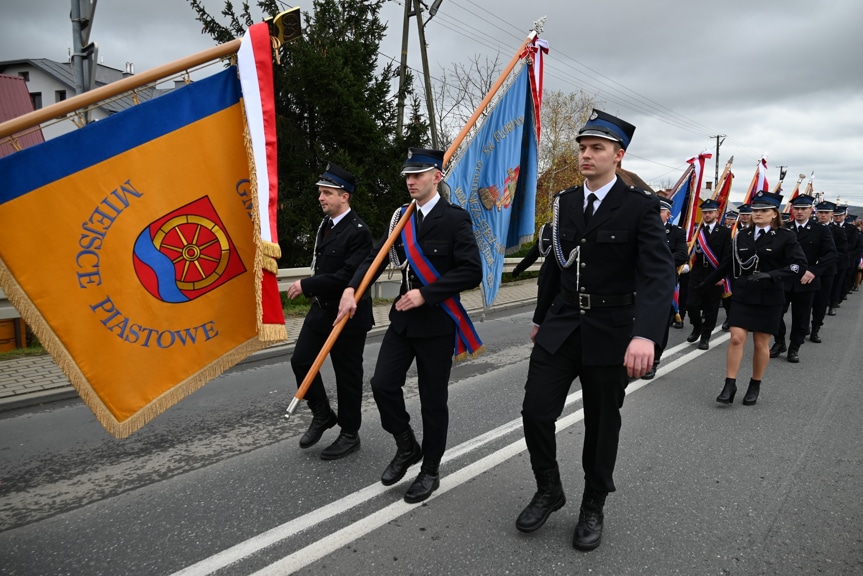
(162, 266)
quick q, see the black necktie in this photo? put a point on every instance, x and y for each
(419, 219)
(588, 210)
(328, 225)
(759, 233)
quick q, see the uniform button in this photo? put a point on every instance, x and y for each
(613, 237)
(581, 312)
(581, 289)
(584, 240)
(584, 264)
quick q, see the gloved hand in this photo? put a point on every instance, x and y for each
(759, 276)
(685, 269)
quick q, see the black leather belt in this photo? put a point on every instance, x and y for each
(588, 301)
(325, 304)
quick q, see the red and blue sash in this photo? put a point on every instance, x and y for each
(714, 261)
(467, 342)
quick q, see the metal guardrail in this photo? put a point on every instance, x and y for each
(385, 287)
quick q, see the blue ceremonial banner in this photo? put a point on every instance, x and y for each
(495, 180)
(679, 202)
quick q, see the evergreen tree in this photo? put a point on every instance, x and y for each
(332, 103)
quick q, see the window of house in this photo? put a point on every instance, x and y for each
(25, 76)
(36, 99)
(59, 95)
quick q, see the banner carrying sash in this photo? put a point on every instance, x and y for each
(132, 248)
(467, 342)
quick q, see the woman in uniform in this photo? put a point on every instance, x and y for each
(763, 257)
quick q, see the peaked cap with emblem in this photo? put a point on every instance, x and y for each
(602, 125)
(764, 199)
(337, 177)
(423, 160)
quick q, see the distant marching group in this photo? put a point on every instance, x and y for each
(808, 260)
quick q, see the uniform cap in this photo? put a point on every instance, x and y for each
(337, 177)
(602, 125)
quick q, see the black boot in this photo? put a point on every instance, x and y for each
(778, 348)
(705, 343)
(427, 482)
(344, 445)
(408, 453)
(752, 392)
(588, 531)
(831, 311)
(728, 391)
(548, 498)
(814, 337)
(694, 335)
(793, 357)
(323, 418)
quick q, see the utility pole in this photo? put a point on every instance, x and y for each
(718, 144)
(83, 51)
(417, 11)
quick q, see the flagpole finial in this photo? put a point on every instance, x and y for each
(539, 25)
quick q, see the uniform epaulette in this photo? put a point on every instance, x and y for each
(643, 191)
(566, 191)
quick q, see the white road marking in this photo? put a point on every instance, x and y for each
(305, 556)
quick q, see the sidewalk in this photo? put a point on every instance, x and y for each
(37, 379)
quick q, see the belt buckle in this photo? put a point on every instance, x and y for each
(584, 301)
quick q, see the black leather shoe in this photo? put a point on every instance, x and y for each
(777, 349)
(344, 445)
(793, 357)
(728, 391)
(677, 325)
(814, 337)
(321, 422)
(588, 531)
(704, 344)
(752, 393)
(408, 453)
(549, 497)
(831, 311)
(726, 326)
(695, 335)
(651, 372)
(422, 487)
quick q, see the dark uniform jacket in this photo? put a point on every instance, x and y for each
(624, 255)
(779, 255)
(852, 234)
(820, 250)
(676, 238)
(338, 255)
(446, 238)
(720, 243)
(840, 237)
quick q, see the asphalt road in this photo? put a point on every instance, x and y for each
(217, 484)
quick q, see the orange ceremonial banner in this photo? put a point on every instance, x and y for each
(132, 248)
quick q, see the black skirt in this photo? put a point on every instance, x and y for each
(764, 319)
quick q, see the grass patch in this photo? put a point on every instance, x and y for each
(34, 350)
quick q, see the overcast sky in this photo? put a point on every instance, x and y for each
(781, 77)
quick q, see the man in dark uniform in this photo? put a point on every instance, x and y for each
(824, 213)
(609, 285)
(712, 250)
(676, 238)
(341, 244)
(540, 248)
(843, 261)
(744, 217)
(852, 234)
(856, 254)
(421, 326)
(817, 243)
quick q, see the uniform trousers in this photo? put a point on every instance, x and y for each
(347, 359)
(434, 357)
(603, 388)
(658, 349)
(838, 283)
(801, 306)
(703, 306)
(821, 301)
